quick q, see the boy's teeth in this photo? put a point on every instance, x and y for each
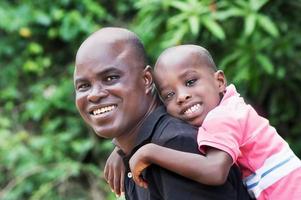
(192, 109)
(103, 110)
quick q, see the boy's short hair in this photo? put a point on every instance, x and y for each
(203, 54)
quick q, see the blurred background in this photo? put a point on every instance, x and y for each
(47, 152)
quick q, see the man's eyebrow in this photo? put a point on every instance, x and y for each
(108, 70)
(100, 73)
(78, 80)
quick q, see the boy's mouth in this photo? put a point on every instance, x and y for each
(192, 109)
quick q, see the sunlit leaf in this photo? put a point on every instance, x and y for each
(250, 24)
(183, 6)
(268, 25)
(233, 12)
(257, 4)
(214, 28)
(194, 24)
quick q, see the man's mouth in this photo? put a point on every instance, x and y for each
(103, 110)
(193, 109)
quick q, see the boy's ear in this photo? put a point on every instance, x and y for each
(148, 79)
(221, 80)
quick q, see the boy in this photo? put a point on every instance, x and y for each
(230, 131)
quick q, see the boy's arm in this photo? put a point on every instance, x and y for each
(114, 172)
(210, 169)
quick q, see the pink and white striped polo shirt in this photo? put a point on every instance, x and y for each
(269, 167)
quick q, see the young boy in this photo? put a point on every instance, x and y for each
(230, 131)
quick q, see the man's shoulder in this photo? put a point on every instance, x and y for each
(171, 129)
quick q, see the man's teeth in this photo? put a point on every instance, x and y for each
(193, 109)
(103, 110)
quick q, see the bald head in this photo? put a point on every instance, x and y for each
(115, 41)
(113, 84)
(191, 53)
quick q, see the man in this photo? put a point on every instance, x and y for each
(114, 95)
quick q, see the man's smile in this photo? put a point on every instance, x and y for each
(102, 110)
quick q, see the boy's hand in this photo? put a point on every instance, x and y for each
(138, 162)
(114, 172)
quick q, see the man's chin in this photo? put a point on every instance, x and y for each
(103, 133)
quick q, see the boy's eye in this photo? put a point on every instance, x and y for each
(190, 82)
(169, 95)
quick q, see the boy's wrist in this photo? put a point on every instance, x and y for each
(149, 152)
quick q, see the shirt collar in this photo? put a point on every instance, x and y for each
(148, 126)
(230, 92)
(146, 131)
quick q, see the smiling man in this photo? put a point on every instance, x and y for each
(114, 95)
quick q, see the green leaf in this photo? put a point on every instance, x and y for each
(232, 12)
(180, 5)
(214, 28)
(177, 20)
(194, 24)
(257, 4)
(228, 59)
(250, 22)
(265, 63)
(268, 25)
(281, 72)
(242, 74)
(35, 48)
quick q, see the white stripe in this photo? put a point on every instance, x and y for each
(274, 168)
(269, 163)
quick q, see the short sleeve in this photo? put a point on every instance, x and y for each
(222, 129)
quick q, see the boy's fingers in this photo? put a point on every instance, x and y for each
(117, 184)
(105, 172)
(138, 180)
(122, 181)
(110, 180)
(145, 185)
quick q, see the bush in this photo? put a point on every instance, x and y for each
(46, 150)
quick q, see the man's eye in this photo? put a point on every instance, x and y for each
(111, 78)
(190, 82)
(83, 86)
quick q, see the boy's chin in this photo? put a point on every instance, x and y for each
(196, 122)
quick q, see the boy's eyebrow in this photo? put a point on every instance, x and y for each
(183, 75)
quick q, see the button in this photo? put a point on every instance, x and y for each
(130, 175)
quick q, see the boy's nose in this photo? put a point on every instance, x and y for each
(97, 93)
(182, 98)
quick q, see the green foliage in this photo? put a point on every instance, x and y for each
(46, 150)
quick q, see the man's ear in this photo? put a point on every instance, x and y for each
(221, 80)
(148, 79)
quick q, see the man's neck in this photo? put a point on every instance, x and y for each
(127, 141)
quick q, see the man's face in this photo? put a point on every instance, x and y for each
(188, 88)
(109, 89)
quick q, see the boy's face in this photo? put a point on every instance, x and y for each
(188, 88)
(110, 92)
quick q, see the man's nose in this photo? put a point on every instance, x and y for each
(97, 93)
(182, 97)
